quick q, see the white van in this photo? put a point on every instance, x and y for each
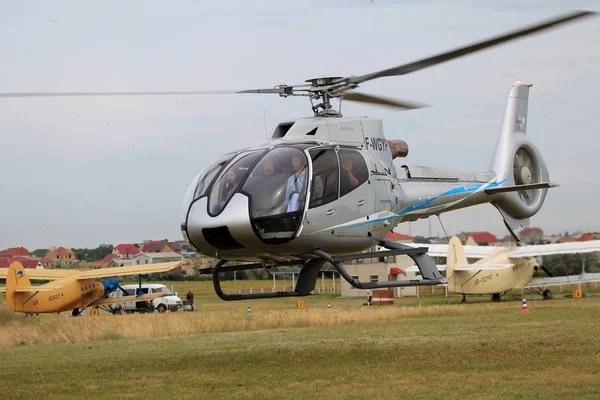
(169, 301)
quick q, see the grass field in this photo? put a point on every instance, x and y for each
(418, 350)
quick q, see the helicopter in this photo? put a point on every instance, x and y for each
(325, 188)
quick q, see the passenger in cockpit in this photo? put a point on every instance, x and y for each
(295, 185)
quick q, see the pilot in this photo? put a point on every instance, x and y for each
(230, 184)
(348, 179)
(295, 183)
(269, 168)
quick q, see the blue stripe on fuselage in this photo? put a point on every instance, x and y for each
(424, 203)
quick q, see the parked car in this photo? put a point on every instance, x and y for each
(169, 301)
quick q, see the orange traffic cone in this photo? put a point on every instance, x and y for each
(525, 308)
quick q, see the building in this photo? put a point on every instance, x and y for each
(531, 235)
(161, 246)
(110, 261)
(26, 262)
(62, 256)
(379, 270)
(140, 259)
(126, 251)
(399, 237)
(15, 252)
(153, 258)
(477, 238)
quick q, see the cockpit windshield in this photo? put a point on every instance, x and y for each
(277, 187)
(208, 174)
(229, 181)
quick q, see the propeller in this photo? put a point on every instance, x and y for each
(523, 166)
(332, 87)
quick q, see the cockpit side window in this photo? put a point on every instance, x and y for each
(324, 188)
(277, 185)
(229, 181)
(277, 188)
(208, 174)
(354, 171)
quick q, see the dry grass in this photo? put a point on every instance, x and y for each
(20, 331)
(482, 350)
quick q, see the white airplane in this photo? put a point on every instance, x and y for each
(501, 269)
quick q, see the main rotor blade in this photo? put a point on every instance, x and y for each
(277, 90)
(463, 51)
(382, 101)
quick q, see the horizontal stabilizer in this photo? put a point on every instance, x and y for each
(483, 267)
(124, 271)
(518, 188)
(414, 268)
(34, 289)
(43, 274)
(124, 299)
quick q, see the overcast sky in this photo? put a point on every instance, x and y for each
(79, 172)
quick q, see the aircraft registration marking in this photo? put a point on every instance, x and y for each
(483, 279)
(376, 143)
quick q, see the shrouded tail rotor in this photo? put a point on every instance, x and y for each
(518, 162)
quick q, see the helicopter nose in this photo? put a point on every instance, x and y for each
(230, 230)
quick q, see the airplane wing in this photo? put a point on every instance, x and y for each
(123, 271)
(483, 267)
(414, 268)
(44, 288)
(43, 274)
(124, 299)
(441, 250)
(563, 280)
(557, 248)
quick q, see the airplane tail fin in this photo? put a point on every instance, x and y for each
(456, 257)
(517, 162)
(16, 279)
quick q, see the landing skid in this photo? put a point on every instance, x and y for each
(314, 261)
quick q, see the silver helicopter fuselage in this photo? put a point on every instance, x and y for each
(281, 211)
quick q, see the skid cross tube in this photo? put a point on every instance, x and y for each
(429, 272)
(218, 268)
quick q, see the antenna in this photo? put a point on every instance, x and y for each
(266, 133)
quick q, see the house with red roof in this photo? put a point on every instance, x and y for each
(26, 262)
(477, 238)
(161, 246)
(587, 236)
(14, 252)
(110, 260)
(398, 237)
(532, 235)
(47, 262)
(62, 256)
(567, 239)
(126, 251)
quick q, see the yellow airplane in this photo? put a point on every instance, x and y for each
(501, 269)
(70, 289)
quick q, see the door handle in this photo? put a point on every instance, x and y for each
(330, 212)
(361, 203)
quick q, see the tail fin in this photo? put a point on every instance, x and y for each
(517, 161)
(456, 257)
(456, 254)
(16, 279)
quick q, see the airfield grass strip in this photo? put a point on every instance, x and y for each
(18, 330)
(491, 351)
